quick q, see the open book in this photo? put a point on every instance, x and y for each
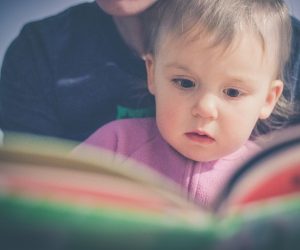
(51, 199)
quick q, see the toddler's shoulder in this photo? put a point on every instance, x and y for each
(127, 130)
(127, 125)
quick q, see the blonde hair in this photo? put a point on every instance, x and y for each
(224, 20)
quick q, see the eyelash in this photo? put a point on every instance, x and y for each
(237, 91)
(184, 83)
(179, 82)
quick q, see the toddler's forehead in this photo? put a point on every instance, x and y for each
(170, 42)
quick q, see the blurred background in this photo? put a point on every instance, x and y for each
(15, 13)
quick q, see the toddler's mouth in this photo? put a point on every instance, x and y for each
(200, 137)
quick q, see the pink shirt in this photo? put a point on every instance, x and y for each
(139, 139)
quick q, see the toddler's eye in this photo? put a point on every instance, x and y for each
(184, 83)
(231, 92)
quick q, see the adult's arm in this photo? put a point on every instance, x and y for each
(293, 69)
(27, 101)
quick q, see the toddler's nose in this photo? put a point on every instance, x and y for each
(205, 107)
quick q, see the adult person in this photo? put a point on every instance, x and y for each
(68, 74)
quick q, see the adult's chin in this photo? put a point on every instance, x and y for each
(124, 7)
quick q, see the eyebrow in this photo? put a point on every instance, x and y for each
(245, 80)
(178, 66)
(235, 79)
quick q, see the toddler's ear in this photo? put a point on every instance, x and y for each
(275, 92)
(149, 60)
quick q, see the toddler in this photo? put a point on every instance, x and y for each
(215, 68)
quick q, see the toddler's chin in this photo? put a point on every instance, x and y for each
(201, 157)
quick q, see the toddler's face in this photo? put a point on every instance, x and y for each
(208, 99)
